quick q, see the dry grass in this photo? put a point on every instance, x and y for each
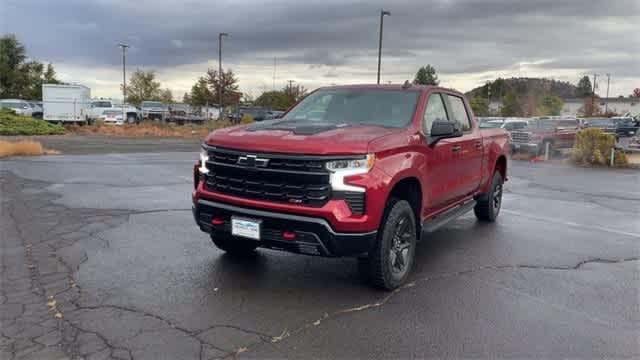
(149, 129)
(23, 148)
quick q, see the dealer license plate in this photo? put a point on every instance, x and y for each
(247, 228)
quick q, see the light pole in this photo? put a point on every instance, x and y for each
(606, 103)
(220, 35)
(382, 14)
(124, 78)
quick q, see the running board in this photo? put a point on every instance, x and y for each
(438, 221)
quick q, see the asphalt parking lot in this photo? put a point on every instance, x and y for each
(101, 259)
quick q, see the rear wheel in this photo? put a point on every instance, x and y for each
(234, 246)
(389, 263)
(488, 205)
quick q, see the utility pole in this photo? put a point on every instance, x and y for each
(220, 35)
(382, 14)
(593, 94)
(606, 101)
(124, 78)
(273, 87)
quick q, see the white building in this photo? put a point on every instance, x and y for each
(620, 105)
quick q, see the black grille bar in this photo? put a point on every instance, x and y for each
(298, 179)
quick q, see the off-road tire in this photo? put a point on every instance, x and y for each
(487, 209)
(234, 246)
(377, 267)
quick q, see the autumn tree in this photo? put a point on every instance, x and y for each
(549, 105)
(227, 83)
(590, 107)
(636, 93)
(426, 75)
(143, 86)
(281, 99)
(166, 96)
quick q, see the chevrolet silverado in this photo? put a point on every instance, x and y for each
(362, 170)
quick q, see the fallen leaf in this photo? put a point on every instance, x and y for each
(58, 315)
(51, 303)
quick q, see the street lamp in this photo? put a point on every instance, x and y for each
(382, 14)
(220, 35)
(124, 77)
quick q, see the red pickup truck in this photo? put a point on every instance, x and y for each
(358, 171)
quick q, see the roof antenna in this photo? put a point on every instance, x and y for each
(406, 85)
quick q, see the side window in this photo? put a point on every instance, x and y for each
(435, 111)
(459, 112)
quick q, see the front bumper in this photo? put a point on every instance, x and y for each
(524, 146)
(314, 236)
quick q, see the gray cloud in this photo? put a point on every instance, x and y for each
(466, 36)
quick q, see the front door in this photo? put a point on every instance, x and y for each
(439, 167)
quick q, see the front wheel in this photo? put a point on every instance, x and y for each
(488, 205)
(389, 263)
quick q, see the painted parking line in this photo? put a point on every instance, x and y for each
(571, 223)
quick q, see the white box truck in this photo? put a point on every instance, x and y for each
(66, 103)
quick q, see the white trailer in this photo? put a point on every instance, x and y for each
(66, 103)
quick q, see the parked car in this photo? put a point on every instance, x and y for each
(99, 106)
(634, 144)
(274, 114)
(625, 126)
(559, 134)
(508, 124)
(112, 117)
(21, 107)
(36, 109)
(618, 126)
(365, 179)
(154, 110)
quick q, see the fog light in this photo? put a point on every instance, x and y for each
(289, 235)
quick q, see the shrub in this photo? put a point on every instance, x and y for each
(246, 119)
(14, 124)
(593, 147)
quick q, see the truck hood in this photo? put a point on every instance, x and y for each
(299, 137)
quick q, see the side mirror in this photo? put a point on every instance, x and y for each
(443, 130)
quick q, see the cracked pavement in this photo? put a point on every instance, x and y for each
(101, 259)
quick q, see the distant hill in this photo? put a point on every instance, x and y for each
(525, 87)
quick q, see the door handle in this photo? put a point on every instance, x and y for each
(478, 145)
(456, 148)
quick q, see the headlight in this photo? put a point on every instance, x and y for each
(342, 168)
(204, 157)
(352, 164)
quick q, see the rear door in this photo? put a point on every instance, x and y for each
(439, 172)
(467, 150)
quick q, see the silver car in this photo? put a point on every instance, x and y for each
(21, 107)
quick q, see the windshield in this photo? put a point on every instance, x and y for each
(541, 124)
(104, 104)
(13, 105)
(600, 122)
(388, 108)
(491, 124)
(152, 104)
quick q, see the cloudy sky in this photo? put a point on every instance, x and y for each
(331, 41)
